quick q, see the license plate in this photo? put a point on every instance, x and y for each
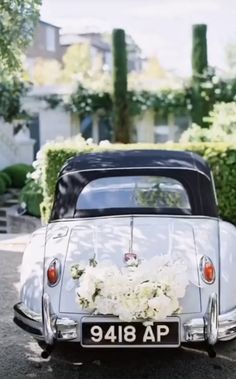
(109, 333)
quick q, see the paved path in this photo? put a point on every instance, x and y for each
(20, 355)
(13, 242)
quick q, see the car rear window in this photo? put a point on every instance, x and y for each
(134, 192)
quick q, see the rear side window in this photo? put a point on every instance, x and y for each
(134, 192)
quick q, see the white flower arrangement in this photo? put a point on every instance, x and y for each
(148, 290)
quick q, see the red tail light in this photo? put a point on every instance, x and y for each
(54, 272)
(207, 270)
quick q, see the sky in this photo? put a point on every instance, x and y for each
(160, 27)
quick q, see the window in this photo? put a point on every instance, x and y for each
(132, 192)
(50, 38)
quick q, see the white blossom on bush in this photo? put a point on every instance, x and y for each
(222, 126)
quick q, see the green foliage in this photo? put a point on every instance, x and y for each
(2, 186)
(18, 18)
(155, 195)
(179, 101)
(223, 116)
(222, 160)
(11, 91)
(163, 102)
(222, 121)
(6, 178)
(207, 91)
(120, 103)
(199, 49)
(86, 102)
(59, 156)
(231, 55)
(220, 156)
(18, 174)
(197, 134)
(45, 72)
(200, 107)
(77, 60)
(31, 195)
(53, 100)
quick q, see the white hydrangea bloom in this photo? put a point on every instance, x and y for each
(150, 291)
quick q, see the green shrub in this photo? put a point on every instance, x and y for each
(6, 178)
(197, 134)
(18, 173)
(2, 186)
(31, 195)
(222, 126)
(223, 116)
(220, 156)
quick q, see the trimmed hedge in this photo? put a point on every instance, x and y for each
(18, 173)
(220, 156)
(31, 195)
(6, 178)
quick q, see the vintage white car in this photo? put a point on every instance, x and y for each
(130, 206)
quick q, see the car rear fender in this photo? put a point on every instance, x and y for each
(31, 282)
(57, 239)
(206, 234)
(227, 266)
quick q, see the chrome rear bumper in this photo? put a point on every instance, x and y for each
(210, 328)
(45, 327)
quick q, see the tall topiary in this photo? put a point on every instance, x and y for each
(201, 105)
(199, 49)
(120, 102)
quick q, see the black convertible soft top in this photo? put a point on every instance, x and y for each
(188, 168)
(136, 159)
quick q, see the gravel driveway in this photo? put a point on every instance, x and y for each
(20, 355)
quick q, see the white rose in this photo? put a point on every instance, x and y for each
(161, 304)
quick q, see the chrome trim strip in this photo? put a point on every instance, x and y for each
(227, 326)
(192, 217)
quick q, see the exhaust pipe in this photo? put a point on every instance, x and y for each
(47, 351)
(211, 351)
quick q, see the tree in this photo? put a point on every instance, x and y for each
(199, 69)
(11, 91)
(151, 78)
(199, 49)
(121, 116)
(153, 69)
(17, 22)
(46, 72)
(231, 56)
(77, 60)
